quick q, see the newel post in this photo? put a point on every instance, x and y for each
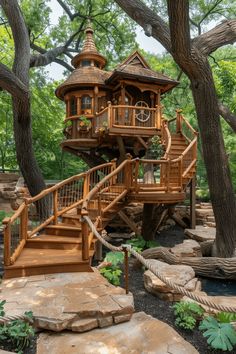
(128, 172)
(109, 115)
(55, 206)
(178, 120)
(7, 241)
(85, 236)
(24, 222)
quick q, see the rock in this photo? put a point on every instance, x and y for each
(201, 233)
(189, 248)
(180, 274)
(142, 334)
(75, 301)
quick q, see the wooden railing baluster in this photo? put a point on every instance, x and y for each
(7, 241)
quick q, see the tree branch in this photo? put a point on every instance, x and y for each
(222, 34)
(45, 57)
(10, 82)
(228, 116)
(21, 39)
(66, 9)
(144, 16)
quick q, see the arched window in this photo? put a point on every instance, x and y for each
(86, 63)
(73, 106)
(86, 104)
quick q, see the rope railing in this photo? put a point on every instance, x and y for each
(199, 298)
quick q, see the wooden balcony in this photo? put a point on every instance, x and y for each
(115, 120)
(128, 120)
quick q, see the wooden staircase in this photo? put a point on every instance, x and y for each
(59, 240)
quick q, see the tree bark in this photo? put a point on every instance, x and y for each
(152, 214)
(21, 104)
(212, 267)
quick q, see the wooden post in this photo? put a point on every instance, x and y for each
(24, 223)
(85, 239)
(86, 185)
(193, 202)
(178, 121)
(7, 241)
(55, 206)
(109, 115)
(126, 266)
(98, 245)
(136, 175)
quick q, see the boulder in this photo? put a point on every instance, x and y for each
(180, 274)
(201, 233)
(189, 248)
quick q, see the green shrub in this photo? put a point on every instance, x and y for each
(187, 314)
(139, 244)
(220, 335)
(113, 272)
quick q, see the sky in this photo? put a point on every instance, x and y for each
(147, 43)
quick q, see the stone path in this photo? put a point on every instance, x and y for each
(201, 233)
(141, 335)
(74, 301)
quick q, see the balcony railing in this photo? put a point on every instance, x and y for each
(124, 116)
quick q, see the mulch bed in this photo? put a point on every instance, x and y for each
(160, 309)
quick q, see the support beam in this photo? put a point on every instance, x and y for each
(193, 203)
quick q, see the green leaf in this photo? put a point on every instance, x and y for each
(220, 335)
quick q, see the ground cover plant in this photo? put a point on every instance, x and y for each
(112, 272)
(16, 334)
(218, 330)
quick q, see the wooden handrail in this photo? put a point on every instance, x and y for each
(101, 183)
(46, 191)
(102, 111)
(10, 220)
(188, 125)
(189, 167)
(169, 141)
(135, 107)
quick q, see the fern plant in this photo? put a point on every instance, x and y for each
(220, 335)
(226, 317)
(187, 314)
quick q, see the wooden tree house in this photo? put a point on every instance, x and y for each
(103, 108)
(109, 113)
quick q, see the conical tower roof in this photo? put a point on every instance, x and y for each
(85, 75)
(89, 50)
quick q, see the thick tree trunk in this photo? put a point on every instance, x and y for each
(152, 214)
(216, 161)
(24, 147)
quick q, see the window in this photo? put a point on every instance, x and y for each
(86, 63)
(73, 106)
(86, 104)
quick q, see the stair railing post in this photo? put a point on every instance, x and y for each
(85, 236)
(136, 175)
(7, 241)
(109, 115)
(180, 173)
(55, 206)
(128, 172)
(86, 185)
(178, 121)
(24, 223)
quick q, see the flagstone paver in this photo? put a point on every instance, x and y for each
(141, 335)
(75, 301)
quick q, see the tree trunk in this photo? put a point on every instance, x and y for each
(216, 161)
(212, 267)
(24, 150)
(152, 214)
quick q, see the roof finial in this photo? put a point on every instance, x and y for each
(89, 45)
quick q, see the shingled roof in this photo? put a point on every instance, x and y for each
(136, 66)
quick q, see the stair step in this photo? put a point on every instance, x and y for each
(63, 230)
(47, 261)
(44, 241)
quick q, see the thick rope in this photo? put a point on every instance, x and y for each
(6, 319)
(201, 299)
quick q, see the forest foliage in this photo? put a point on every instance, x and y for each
(115, 38)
